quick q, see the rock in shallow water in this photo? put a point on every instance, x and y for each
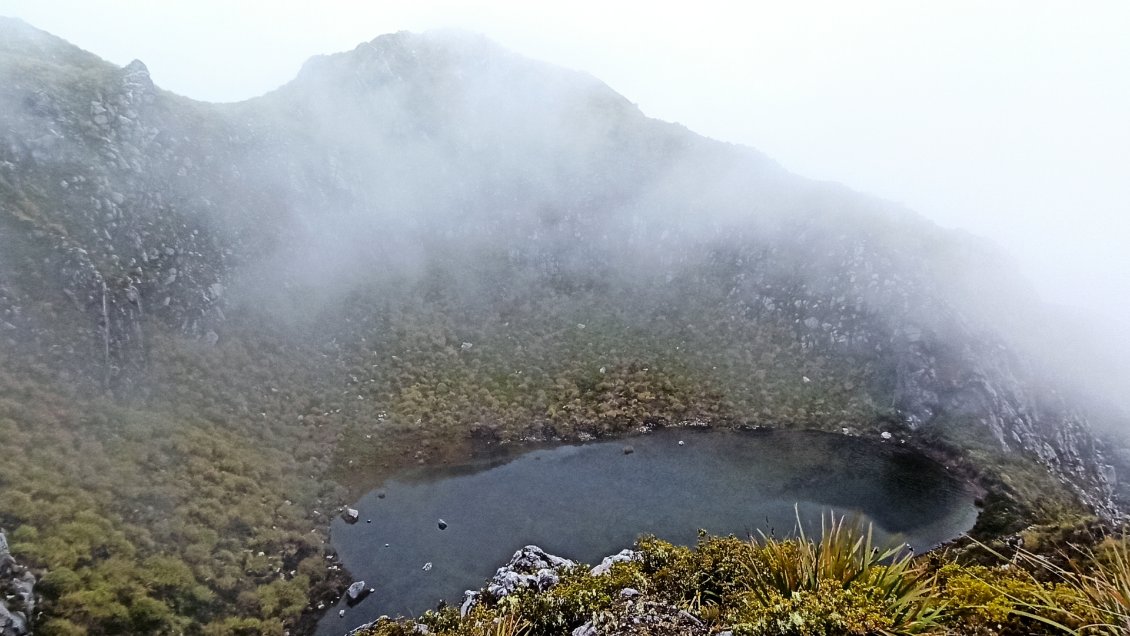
(356, 591)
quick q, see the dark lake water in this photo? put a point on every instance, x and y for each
(587, 501)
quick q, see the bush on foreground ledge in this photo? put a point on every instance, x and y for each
(837, 584)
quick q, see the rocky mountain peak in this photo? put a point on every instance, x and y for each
(135, 77)
(448, 76)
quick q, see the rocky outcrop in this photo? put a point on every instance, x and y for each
(534, 569)
(17, 594)
(984, 381)
(530, 568)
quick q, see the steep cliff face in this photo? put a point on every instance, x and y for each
(985, 383)
(125, 209)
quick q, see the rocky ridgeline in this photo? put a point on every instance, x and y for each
(17, 594)
(90, 185)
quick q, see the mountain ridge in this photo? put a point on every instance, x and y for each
(456, 109)
(365, 269)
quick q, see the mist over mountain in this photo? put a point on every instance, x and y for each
(428, 245)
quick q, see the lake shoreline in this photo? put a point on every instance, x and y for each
(858, 446)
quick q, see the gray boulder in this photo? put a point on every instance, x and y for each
(356, 592)
(529, 568)
(17, 594)
(606, 564)
(13, 623)
(357, 588)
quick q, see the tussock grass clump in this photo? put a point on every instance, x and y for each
(1089, 594)
(839, 583)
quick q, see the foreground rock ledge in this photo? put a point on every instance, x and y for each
(535, 569)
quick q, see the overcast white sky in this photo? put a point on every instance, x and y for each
(1009, 119)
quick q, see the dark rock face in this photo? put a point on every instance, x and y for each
(17, 594)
